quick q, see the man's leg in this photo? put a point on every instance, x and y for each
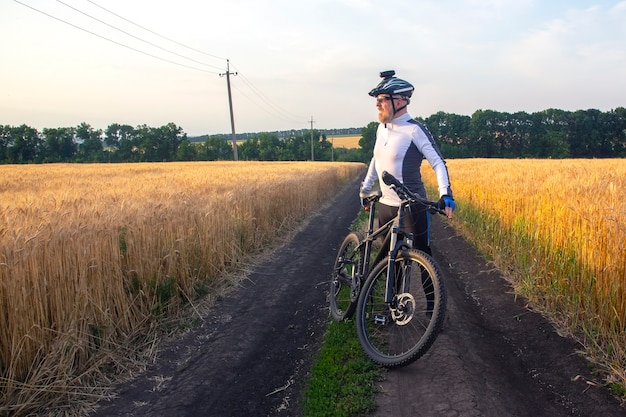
(420, 227)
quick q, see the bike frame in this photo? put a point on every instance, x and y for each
(391, 245)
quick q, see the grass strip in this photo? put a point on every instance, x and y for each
(342, 380)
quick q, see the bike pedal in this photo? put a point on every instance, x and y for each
(379, 319)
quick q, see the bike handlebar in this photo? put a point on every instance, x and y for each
(405, 194)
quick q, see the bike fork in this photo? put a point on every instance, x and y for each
(390, 291)
(391, 265)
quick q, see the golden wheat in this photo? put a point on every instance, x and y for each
(348, 142)
(89, 254)
(561, 225)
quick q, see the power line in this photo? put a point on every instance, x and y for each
(111, 40)
(283, 113)
(155, 33)
(133, 36)
(266, 109)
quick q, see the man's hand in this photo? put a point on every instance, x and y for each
(365, 204)
(447, 204)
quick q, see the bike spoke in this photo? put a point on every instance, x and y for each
(345, 284)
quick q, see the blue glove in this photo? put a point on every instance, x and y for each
(446, 201)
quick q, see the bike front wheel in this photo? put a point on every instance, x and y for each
(398, 333)
(345, 282)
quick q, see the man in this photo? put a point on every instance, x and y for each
(401, 145)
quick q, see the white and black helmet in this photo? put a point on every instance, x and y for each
(392, 85)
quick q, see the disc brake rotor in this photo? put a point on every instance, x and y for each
(403, 313)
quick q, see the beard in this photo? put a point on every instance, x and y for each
(385, 116)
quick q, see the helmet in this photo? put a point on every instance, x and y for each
(392, 85)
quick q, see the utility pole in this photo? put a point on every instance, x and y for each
(230, 105)
(312, 154)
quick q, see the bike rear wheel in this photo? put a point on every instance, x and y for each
(399, 333)
(345, 283)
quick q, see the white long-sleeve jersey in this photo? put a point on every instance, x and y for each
(400, 148)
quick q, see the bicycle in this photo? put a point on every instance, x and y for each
(400, 305)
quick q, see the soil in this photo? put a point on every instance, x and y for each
(251, 352)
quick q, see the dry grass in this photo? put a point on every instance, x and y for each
(559, 226)
(92, 257)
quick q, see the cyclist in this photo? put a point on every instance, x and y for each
(401, 145)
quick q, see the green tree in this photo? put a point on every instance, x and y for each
(186, 151)
(618, 132)
(216, 148)
(551, 144)
(120, 140)
(323, 149)
(116, 133)
(24, 145)
(90, 148)
(293, 147)
(348, 155)
(249, 150)
(585, 133)
(60, 145)
(158, 144)
(452, 132)
(519, 129)
(488, 134)
(368, 139)
(5, 141)
(169, 138)
(613, 130)
(552, 133)
(269, 147)
(299, 146)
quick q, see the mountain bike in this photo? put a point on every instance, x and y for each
(400, 304)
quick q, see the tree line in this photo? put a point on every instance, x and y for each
(550, 133)
(118, 143)
(124, 143)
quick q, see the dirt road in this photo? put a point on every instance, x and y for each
(251, 353)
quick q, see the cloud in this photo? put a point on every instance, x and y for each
(580, 41)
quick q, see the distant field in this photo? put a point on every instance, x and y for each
(348, 142)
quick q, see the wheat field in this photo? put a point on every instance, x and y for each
(559, 227)
(92, 257)
(348, 142)
(95, 255)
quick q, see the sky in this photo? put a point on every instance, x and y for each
(301, 64)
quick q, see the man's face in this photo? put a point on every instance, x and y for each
(385, 107)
